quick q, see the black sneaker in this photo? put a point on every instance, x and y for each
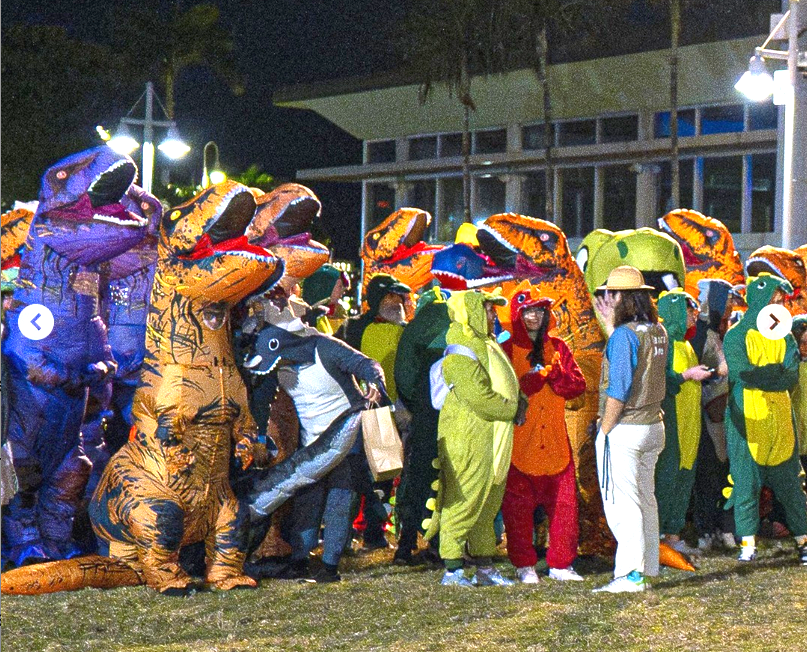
(802, 549)
(403, 557)
(323, 576)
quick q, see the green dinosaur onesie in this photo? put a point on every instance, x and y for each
(675, 469)
(475, 434)
(759, 426)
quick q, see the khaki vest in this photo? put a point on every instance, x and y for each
(643, 406)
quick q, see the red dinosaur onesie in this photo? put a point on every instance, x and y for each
(542, 470)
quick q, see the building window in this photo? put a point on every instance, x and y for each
(423, 196)
(422, 148)
(619, 202)
(533, 198)
(686, 185)
(686, 123)
(490, 142)
(381, 151)
(723, 190)
(619, 129)
(450, 145)
(382, 203)
(763, 115)
(451, 209)
(722, 119)
(577, 132)
(763, 185)
(490, 197)
(532, 136)
(577, 209)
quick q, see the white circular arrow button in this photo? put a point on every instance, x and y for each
(774, 321)
(35, 321)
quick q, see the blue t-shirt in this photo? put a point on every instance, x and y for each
(622, 351)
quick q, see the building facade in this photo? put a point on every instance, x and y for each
(612, 145)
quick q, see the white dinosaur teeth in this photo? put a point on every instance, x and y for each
(499, 238)
(135, 221)
(254, 361)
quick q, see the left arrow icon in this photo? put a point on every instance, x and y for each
(35, 322)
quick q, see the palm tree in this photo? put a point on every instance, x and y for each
(523, 32)
(161, 43)
(446, 42)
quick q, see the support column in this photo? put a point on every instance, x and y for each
(599, 196)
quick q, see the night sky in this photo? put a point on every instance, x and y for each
(276, 43)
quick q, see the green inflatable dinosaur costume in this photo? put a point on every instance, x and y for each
(760, 429)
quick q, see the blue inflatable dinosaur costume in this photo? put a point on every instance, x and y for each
(80, 223)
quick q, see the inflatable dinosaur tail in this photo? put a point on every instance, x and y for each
(92, 571)
(264, 490)
(670, 557)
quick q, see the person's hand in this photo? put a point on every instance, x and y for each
(604, 305)
(373, 394)
(521, 413)
(699, 373)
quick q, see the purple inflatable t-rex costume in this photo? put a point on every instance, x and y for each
(80, 223)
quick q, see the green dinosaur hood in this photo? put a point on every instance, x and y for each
(654, 253)
(759, 291)
(672, 308)
(468, 310)
(589, 246)
(430, 296)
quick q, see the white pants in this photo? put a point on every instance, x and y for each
(627, 484)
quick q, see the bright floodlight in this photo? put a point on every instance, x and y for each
(756, 83)
(172, 146)
(123, 142)
(217, 176)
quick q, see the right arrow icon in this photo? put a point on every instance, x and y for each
(774, 321)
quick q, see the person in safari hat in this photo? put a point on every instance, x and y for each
(631, 429)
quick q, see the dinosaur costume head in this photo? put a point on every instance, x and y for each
(589, 246)
(527, 246)
(786, 264)
(204, 252)
(145, 205)
(655, 254)
(460, 267)
(396, 247)
(80, 214)
(707, 246)
(275, 345)
(673, 309)
(282, 222)
(759, 291)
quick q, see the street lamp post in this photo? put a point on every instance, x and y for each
(172, 146)
(214, 175)
(757, 84)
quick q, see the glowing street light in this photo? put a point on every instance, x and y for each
(789, 89)
(216, 174)
(756, 83)
(125, 143)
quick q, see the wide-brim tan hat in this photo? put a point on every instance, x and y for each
(625, 277)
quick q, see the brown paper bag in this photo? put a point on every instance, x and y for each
(382, 445)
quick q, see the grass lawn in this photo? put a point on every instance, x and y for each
(725, 606)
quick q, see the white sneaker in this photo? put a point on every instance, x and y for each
(565, 574)
(633, 582)
(747, 553)
(527, 575)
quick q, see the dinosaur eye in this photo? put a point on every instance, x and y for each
(709, 233)
(799, 263)
(175, 215)
(521, 298)
(144, 205)
(61, 174)
(376, 236)
(274, 344)
(544, 237)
